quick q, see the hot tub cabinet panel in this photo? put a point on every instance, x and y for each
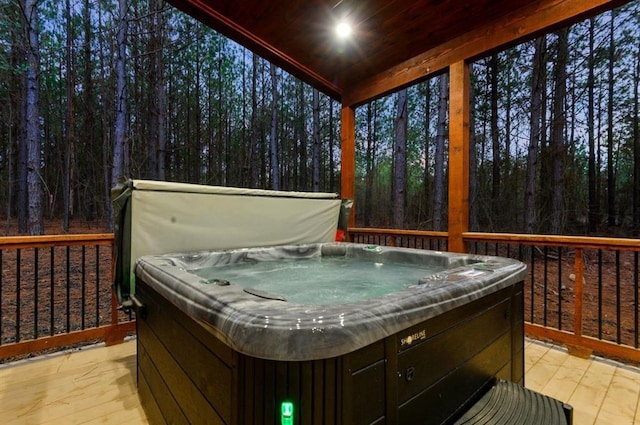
(189, 375)
(385, 336)
(429, 373)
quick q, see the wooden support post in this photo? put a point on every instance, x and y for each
(459, 86)
(348, 144)
(579, 349)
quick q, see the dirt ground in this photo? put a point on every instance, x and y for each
(55, 227)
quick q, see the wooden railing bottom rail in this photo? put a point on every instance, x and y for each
(110, 334)
(582, 346)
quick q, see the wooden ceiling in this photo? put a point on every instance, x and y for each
(389, 36)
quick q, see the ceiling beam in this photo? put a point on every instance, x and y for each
(536, 18)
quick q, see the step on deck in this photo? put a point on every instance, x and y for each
(509, 403)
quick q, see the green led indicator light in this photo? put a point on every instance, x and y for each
(286, 413)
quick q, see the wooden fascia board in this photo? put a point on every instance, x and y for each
(200, 10)
(526, 22)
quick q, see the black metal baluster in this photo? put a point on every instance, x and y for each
(546, 287)
(599, 294)
(97, 285)
(635, 298)
(36, 296)
(533, 284)
(520, 252)
(618, 312)
(559, 288)
(83, 285)
(1, 290)
(68, 279)
(52, 292)
(18, 277)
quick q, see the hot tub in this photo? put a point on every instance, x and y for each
(218, 345)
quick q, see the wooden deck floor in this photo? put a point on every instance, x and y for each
(97, 385)
(601, 392)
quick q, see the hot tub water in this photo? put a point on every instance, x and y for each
(320, 280)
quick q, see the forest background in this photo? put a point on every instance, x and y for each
(94, 90)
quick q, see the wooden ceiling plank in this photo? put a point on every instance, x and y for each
(515, 26)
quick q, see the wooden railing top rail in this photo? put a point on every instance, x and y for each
(556, 240)
(398, 232)
(531, 239)
(16, 242)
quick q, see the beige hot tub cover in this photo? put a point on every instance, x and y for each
(154, 217)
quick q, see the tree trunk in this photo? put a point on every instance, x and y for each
(255, 141)
(557, 137)
(157, 97)
(509, 186)
(636, 147)
(302, 138)
(107, 145)
(369, 161)
(220, 140)
(34, 176)
(120, 133)
(89, 178)
(438, 194)
(273, 139)
(611, 183)
(474, 224)
(332, 173)
(316, 141)
(537, 87)
(495, 137)
(426, 183)
(152, 106)
(594, 206)
(70, 151)
(400, 162)
(21, 134)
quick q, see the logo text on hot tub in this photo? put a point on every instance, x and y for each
(413, 338)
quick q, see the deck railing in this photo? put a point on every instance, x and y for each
(436, 241)
(55, 291)
(581, 292)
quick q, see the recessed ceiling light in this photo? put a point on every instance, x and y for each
(343, 29)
